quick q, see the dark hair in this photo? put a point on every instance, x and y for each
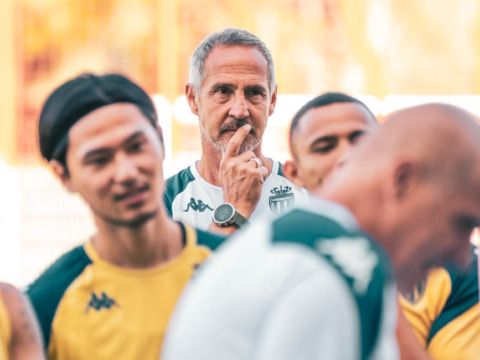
(325, 99)
(79, 96)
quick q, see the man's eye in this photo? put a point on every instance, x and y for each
(222, 91)
(355, 137)
(466, 224)
(98, 161)
(255, 92)
(323, 148)
(136, 146)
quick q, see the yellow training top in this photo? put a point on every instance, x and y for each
(445, 314)
(91, 309)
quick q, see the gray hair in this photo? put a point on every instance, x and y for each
(228, 36)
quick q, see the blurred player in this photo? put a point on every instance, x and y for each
(112, 297)
(312, 284)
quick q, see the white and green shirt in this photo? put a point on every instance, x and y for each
(306, 285)
(192, 200)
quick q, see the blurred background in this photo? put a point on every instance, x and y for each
(390, 53)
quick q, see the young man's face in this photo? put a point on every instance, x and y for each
(114, 161)
(235, 92)
(323, 141)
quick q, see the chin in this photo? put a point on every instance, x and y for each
(135, 222)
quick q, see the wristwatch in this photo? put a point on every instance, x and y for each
(226, 215)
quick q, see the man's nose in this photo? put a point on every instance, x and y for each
(126, 170)
(346, 149)
(239, 107)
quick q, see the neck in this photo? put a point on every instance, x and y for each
(157, 241)
(209, 164)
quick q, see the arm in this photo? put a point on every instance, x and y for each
(26, 343)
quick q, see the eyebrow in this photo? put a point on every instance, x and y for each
(256, 87)
(222, 84)
(326, 138)
(104, 150)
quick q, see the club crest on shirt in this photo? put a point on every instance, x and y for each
(282, 199)
(100, 302)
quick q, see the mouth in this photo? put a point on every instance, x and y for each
(133, 197)
(234, 128)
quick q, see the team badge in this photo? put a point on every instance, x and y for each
(282, 199)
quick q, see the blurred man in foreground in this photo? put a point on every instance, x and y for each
(313, 284)
(111, 298)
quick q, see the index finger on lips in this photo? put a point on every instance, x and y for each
(233, 146)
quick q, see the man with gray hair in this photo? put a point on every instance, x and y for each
(232, 90)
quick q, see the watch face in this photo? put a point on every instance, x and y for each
(223, 213)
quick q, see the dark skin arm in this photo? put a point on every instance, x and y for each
(26, 341)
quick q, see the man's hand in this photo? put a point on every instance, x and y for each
(241, 177)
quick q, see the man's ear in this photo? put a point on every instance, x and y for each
(62, 174)
(191, 98)
(273, 102)
(290, 170)
(406, 175)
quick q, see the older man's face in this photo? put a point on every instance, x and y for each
(235, 92)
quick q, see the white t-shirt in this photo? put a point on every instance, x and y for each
(307, 285)
(191, 200)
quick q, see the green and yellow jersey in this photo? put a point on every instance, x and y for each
(91, 309)
(5, 331)
(445, 314)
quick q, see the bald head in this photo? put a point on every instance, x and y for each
(415, 186)
(444, 138)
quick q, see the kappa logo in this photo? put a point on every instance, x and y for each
(354, 257)
(100, 302)
(282, 199)
(197, 206)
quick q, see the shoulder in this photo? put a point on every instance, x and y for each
(47, 290)
(355, 255)
(208, 239)
(463, 296)
(61, 272)
(175, 185)
(358, 259)
(178, 182)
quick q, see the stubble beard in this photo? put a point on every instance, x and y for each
(250, 143)
(133, 224)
